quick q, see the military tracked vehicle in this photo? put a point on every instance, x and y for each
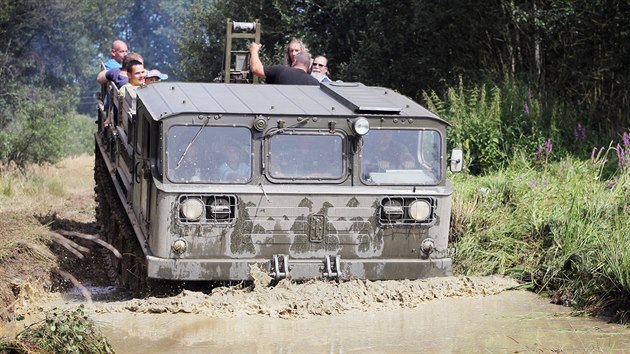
(201, 181)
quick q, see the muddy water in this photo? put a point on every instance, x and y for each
(436, 315)
(511, 321)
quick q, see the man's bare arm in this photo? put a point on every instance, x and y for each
(100, 78)
(255, 65)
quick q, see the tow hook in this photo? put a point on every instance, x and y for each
(427, 247)
(279, 266)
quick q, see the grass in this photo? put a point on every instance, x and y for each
(26, 196)
(47, 188)
(561, 228)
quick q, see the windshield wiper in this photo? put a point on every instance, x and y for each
(181, 158)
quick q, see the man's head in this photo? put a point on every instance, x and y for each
(132, 56)
(119, 50)
(135, 72)
(320, 65)
(302, 61)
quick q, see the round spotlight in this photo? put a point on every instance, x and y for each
(391, 209)
(192, 208)
(361, 126)
(420, 210)
(219, 208)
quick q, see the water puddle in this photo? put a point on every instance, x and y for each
(512, 321)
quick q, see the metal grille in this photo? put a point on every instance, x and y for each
(213, 209)
(396, 210)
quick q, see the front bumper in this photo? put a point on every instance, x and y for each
(298, 269)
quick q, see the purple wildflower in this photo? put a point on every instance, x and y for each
(532, 184)
(621, 155)
(545, 182)
(579, 132)
(626, 140)
(526, 108)
(538, 153)
(548, 147)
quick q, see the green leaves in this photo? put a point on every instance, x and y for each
(477, 124)
(67, 331)
(42, 128)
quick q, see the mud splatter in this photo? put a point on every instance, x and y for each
(290, 300)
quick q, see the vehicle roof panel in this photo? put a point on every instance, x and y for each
(165, 99)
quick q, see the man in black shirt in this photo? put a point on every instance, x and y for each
(280, 74)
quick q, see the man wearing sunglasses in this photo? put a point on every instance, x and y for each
(319, 69)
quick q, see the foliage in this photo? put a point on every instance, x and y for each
(477, 125)
(150, 28)
(572, 52)
(49, 58)
(69, 331)
(490, 124)
(46, 55)
(202, 42)
(80, 135)
(561, 227)
(44, 128)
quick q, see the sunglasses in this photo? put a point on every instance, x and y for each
(318, 64)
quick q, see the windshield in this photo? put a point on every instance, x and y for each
(306, 156)
(209, 154)
(401, 157)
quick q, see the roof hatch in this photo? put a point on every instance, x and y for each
(360, 98)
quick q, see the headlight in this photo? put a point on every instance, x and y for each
(392, 209)
(220, 208)
(420, 210)
(361, 126)
(192, 208)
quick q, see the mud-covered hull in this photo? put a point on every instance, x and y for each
(319, 235)
(298, 269)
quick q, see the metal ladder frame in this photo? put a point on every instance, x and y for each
(231, 35)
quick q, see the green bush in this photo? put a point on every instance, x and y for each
(44, 127)
(476, 118)
(490, 122)
(80, 133)
(69, 331)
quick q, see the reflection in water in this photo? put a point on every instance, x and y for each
(513, 321)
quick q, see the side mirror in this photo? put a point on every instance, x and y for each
(457, 160)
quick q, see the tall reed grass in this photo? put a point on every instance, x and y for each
(541, 212)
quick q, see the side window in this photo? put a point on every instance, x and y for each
(430, 144)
